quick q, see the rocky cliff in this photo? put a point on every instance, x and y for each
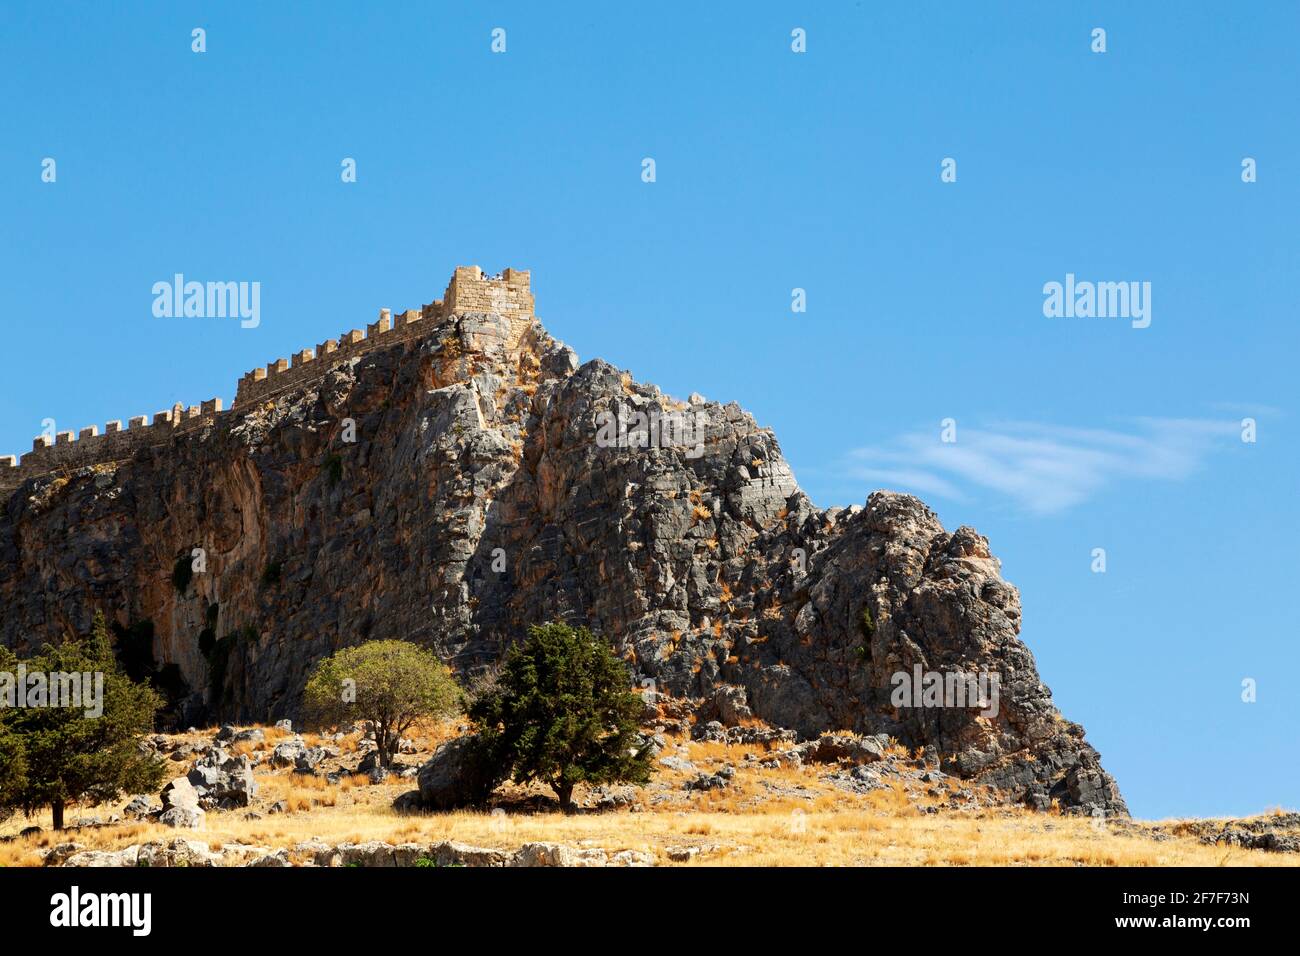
(454, 488)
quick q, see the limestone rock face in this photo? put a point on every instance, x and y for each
(454, 488)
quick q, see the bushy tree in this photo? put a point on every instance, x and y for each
(389, 683)
(13, 765)
(562, 711)
(51, 756)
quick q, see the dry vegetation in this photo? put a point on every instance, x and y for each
(769, 816)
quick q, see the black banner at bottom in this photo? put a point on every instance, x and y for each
(129, 906)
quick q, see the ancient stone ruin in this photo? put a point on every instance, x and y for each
(469, 290)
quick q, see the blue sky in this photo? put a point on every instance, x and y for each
(775, 170)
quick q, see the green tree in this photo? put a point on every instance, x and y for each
(389, 683)
(13, 760)
(562, 711)
(13, 771)
(63, 754)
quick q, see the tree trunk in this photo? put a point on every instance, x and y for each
(564, 790)
(381, 740)
(57, 808)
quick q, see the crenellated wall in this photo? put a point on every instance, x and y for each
(115, 443)
(469, 290)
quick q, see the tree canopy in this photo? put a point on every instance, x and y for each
(389, 683)
(52, 753)
(562, 711)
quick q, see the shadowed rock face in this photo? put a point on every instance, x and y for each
(476, 500)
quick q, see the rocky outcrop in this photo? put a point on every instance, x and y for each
(189, 853)
(455, 488)
(456, 775)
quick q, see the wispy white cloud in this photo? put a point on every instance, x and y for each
(1044, 468)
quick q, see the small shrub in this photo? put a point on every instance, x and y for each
(867, 627)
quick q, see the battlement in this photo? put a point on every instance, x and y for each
(90, 447)
(469, 290)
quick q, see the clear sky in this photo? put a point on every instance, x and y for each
(775, 170)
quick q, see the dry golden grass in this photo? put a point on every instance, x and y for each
(872, 836)
(769, 816)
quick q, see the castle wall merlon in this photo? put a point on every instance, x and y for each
(382, 327)
(469, 290)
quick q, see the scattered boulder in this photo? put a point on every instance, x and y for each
(832, 748)
(1276, 832)
(287, 752)
(101, 858)
(140, 806)
(276, 858)
(183, 818)
(309, 758)
(222, 781)
(712, 731)
(766, 736)
(462, 854)
(608, 797)
(558, 854)
(176, 852)
(729, 705)
(680, 764)
(456, 775)
(711, 781)
(632, 858)
(650, 701)
(180, 793)
(58, 854)
(377, 854)
(684, 854)
(408, 802)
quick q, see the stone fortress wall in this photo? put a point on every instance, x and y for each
(470, 290)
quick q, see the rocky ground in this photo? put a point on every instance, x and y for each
(744, 794)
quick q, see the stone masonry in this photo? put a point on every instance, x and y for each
(469, 290)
